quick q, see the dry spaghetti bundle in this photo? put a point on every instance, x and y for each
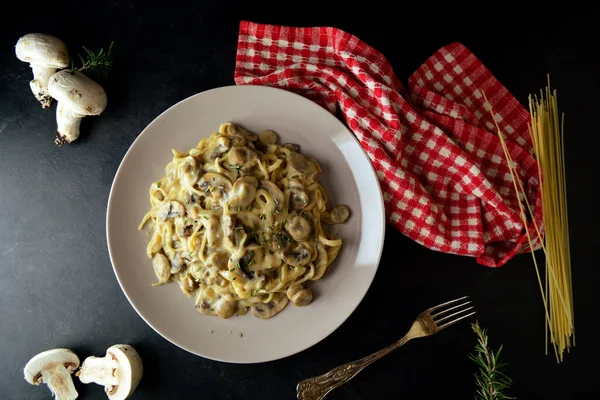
(546, 129)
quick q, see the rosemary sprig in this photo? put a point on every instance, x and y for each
(95, 63)
(491, 380)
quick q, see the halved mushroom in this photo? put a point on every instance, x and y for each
(338, 215)
(119, 371)
(275, 192)
(298, 197)
(298, 255)
(244, 190)
(54, 368)
(270, 309)
(298, 227)
(298, 164)
(215, 184)
(267, 137)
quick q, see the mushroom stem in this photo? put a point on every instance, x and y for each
(100, 371)
(58, 379)
(39, 84)
(68, 123)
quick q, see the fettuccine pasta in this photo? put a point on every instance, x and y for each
(237, 221)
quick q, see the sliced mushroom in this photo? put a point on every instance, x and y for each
(298, 227)
(54, 368)
(189, 171)
(219, 260)
(298, 196)
(293, 289)
(298, 164)
(298, 255)
(244, 190)
(219, 145)
(176, 263)
(267, 137)
(281, 241)
(216, 184)
(338, 215)
(119, 371)
(162, 267)
(270, 309)
(225, 308)
(302, 298)
(291, 147)
(171, 209)
(241, 158)
(275, 192)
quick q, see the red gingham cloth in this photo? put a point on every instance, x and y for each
(445, 181)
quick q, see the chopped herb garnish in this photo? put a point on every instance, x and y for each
(298, 199)
(276, 201)
(198, 270)
(250, 208)
(239, 208)
(251, 292)
(269, 214)
(213, 179)
(229, 333)
(261, 216)
(221, 187)
(238, 228)
(234, 278)
(210, 244)
(304, 214)
(205, 217)
(239, 266)
(211, 331)
(277, 212)
(241, 335)
(270, 266)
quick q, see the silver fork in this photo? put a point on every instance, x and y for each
(427, 323)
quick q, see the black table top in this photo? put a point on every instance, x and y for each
(57, 287)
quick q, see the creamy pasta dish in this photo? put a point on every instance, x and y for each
(237, 222)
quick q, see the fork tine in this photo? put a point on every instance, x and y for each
(447, 324)
(450, 309)
(445, 304)
(453, 315)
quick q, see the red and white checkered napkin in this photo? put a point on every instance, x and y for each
(440, 164)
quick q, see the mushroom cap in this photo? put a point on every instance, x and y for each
(129, 372)
(77, 92)
(47, 359)
(41, 49)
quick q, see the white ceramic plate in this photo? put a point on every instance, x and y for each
(348, 178)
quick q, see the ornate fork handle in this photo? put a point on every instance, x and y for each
(317, 387)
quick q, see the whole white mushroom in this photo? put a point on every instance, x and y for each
(45, 54)
(54, 368)
(77, 96)
(119, 371)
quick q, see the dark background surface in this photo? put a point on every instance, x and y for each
(57, 287)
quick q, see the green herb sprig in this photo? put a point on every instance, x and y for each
(490, 379)
(95, 63)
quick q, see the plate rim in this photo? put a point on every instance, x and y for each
(315, 106)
